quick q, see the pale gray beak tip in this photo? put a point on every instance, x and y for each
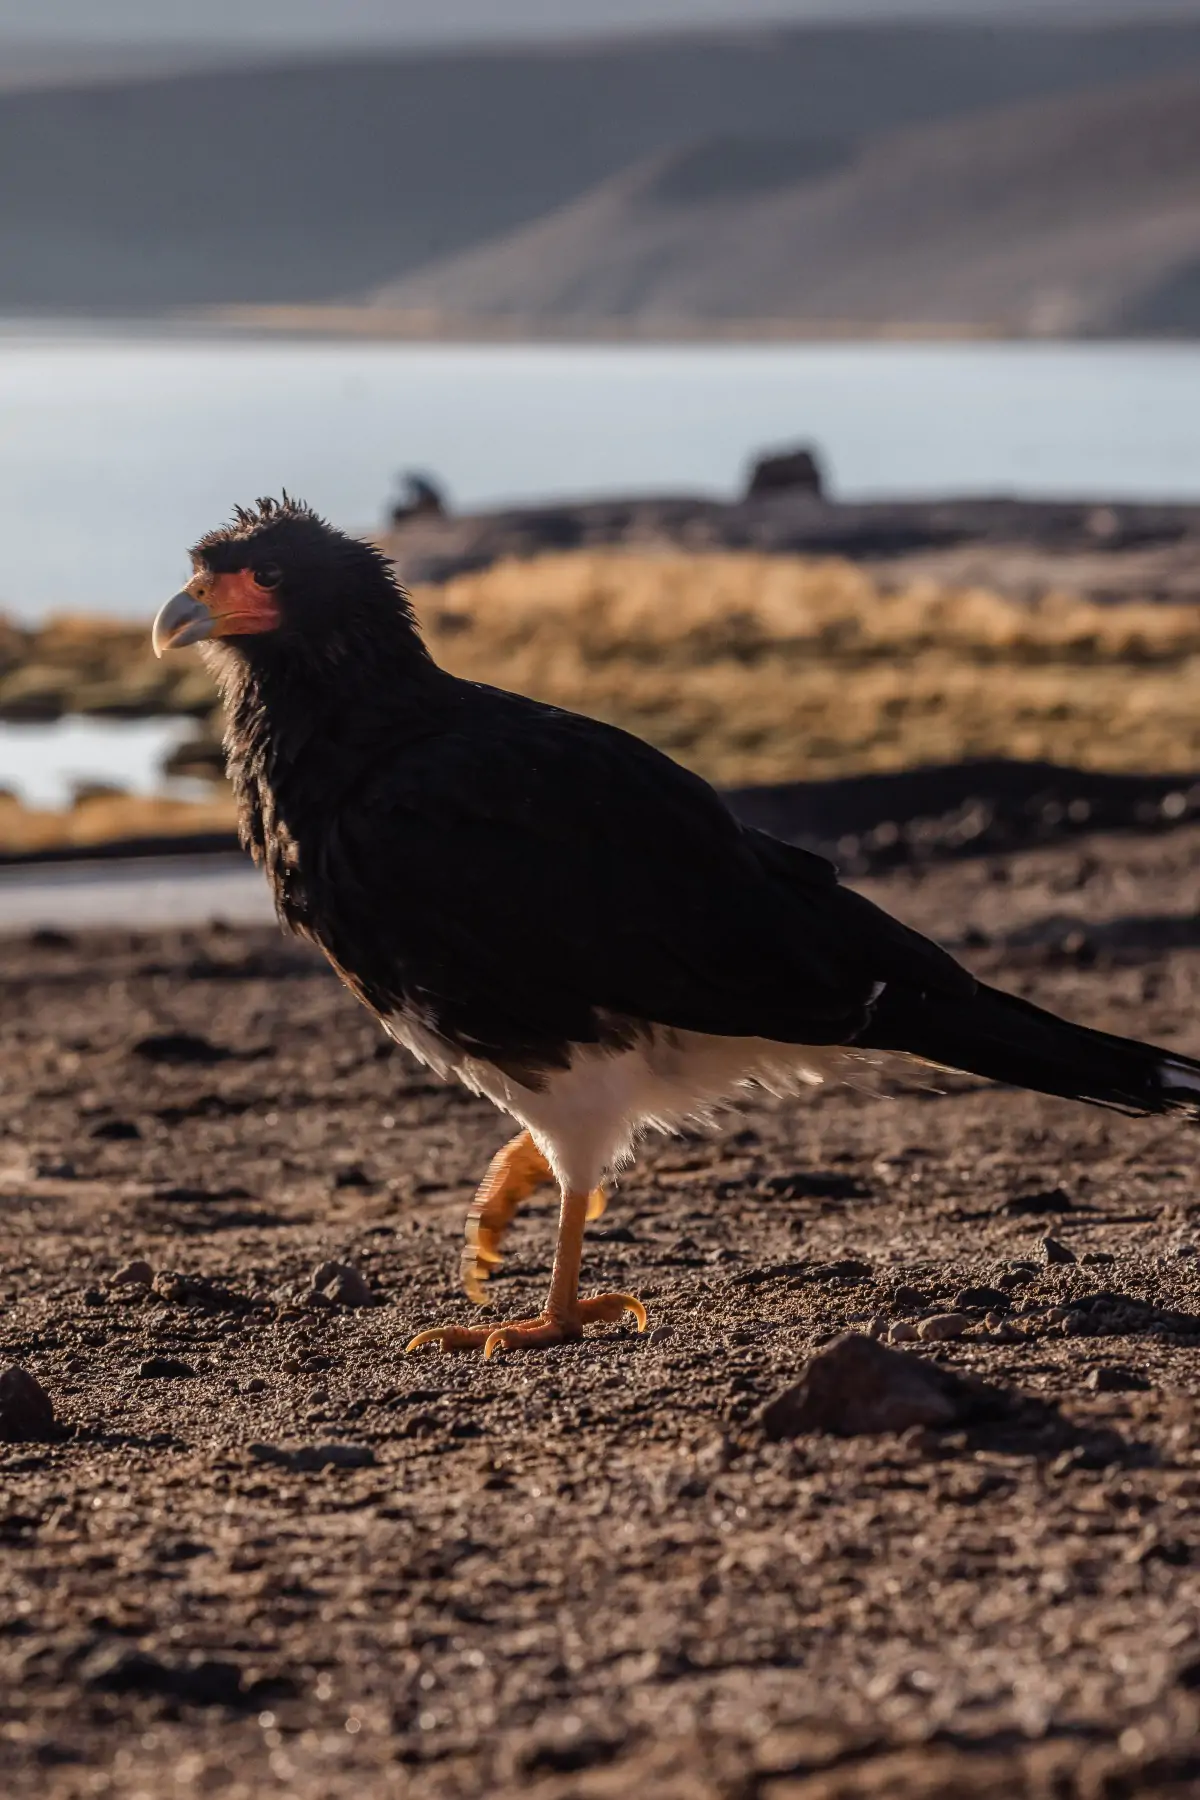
(183, 620)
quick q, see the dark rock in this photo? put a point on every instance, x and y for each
(179, 1047)
(1048, 1200)
(119, 1670)
(989, 1298)
(116, 1131)
(201, 1291)
(312, 1458)
(1098, 1258)
(134, 1274)
(354, 1177)
(26, 1409)
(787, 472)
(1015, 1278)
(1116, 1378)
(422, 499)
(856, 1386)
(45, 937)
(165, 1368)
(1055, 1252)
(850, 1268)
(199, 1196)
(342, 1285)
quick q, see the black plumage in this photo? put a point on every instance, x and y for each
(525, 888)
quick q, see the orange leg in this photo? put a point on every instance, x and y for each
(565, 1314)
(513, 1174)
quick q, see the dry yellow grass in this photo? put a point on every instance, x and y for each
(748, 668)
(753, 668)
(105, 819)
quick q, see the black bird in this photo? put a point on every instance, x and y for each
(555, 913)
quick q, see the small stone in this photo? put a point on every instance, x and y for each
(312, 1458)
(878, 1326)
(318, 1397)
(1003, 1333)
(850, 1268)
(134, 1274)
(856, 1387)
(1047, 1200)
(255, 1385)
(116, 1131)
(1116, 1378)
(1098, 1258)
(117, 1669)
(902, 1331)
(1015, 1278)
(165, 1368)
(26, 1409)
(939, 1328)
(906, 1295)
(342, 1285)
(1056, 1252)
(989, 1298)
(660, 1334)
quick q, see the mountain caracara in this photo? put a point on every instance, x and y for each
(554, 912)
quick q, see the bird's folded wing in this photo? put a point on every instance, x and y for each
(524, 881)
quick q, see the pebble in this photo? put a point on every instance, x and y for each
(118, 1669)
(312, 1458)
(165, 1368)
(1056, 1252)
(1116, 1378)
(134, 1274)
(906, 1295)
(856, 1387)
(342, 1284)
(902, 1332)
(850, 1268)
(1098, 1258)
(990, 1298)
(878, 1326)
(1015, 1278)
(1048, 1200)
(255, 1385)
(660, 1334)
(26, 1409)
(939, 1328)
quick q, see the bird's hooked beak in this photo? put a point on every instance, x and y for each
(217, 606)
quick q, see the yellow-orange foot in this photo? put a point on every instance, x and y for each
(513, 1174)
(534, 1334)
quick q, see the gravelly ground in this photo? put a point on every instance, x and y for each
(587, 1573)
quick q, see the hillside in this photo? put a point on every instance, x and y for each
(322, 180)
(1068, 215)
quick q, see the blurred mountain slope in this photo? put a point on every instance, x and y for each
(323, 179)
(1069, 215)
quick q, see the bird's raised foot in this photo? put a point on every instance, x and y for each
(514, 1173)
(534, 1334)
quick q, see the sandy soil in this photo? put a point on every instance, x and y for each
(589, 1573)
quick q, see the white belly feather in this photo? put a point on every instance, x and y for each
(587, 1118)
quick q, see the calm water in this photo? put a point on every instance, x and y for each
(116, 452)
(45, 764)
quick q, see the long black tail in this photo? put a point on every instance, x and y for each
(1006, 1039)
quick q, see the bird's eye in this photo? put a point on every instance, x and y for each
(268, 575)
